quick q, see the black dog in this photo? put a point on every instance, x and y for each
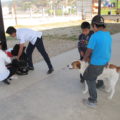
(21, 65)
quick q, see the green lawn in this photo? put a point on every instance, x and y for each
(104, 11)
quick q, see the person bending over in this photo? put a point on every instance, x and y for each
(35, 41)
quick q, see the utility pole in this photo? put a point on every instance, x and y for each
(66, 3)
(2, 30)
(99, 7)
(117, 11)
(92, 7)
(14, 10)
(117, 5)
(82, 11)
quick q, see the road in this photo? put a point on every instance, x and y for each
(57, 96)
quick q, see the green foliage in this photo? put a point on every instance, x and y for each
(50, 11)
(59, 12)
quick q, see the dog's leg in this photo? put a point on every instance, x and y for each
(86, 88)
(112, 93)
(108, 90)
(112, 85)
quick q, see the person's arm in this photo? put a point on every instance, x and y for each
(82, 53)
(6, 58)
(79, 44)
(87, 55)
(20, 50)
(90, 48)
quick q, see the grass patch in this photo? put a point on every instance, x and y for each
(73, 38)
(106, 10)
(70, 31)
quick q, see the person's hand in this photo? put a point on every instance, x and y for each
(87, 60)
(17, 58)
(82, 53)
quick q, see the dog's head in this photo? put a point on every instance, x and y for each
(75, 65)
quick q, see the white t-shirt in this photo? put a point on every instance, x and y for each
(24, 35)
(4, 72)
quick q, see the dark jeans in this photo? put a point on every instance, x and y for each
(40, 47)
(12, 71)
(82, 50)
(90, 75)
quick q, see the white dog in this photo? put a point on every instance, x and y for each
(110, 73)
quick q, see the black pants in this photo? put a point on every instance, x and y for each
(90, 75)
(80, 49)
(12, 71)
(40, 47)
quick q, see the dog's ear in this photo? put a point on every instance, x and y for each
(118, 69)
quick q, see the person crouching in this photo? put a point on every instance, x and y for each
(5, 73)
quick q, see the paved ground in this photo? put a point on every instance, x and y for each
(57, 96)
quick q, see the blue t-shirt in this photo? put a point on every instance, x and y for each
(101, 43)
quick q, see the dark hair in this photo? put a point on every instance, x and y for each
(98, 20)
(85, 25)
(10, 30)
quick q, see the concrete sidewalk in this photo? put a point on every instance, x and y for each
(57, 96)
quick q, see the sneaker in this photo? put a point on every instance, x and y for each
(6, 82)
(14, 77)
(89, 104)
(50, 71)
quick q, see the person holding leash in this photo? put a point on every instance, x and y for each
(35, 40)
(99, 47)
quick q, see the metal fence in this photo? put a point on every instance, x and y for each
(84, 9)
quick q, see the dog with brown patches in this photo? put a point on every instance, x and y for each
(110, 74)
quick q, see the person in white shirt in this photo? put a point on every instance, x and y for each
(35, 40)
(5, 73)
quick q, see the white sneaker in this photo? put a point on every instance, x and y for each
(14, 77)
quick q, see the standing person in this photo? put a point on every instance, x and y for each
(35, 40)
(5, 73)
(84, 38)
(99, 47)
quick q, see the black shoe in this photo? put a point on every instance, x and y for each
(10, 78)
(30, 68)
(6, 82)
(50, 71)
(81, 78)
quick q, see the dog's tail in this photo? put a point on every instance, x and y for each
(118, 69)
